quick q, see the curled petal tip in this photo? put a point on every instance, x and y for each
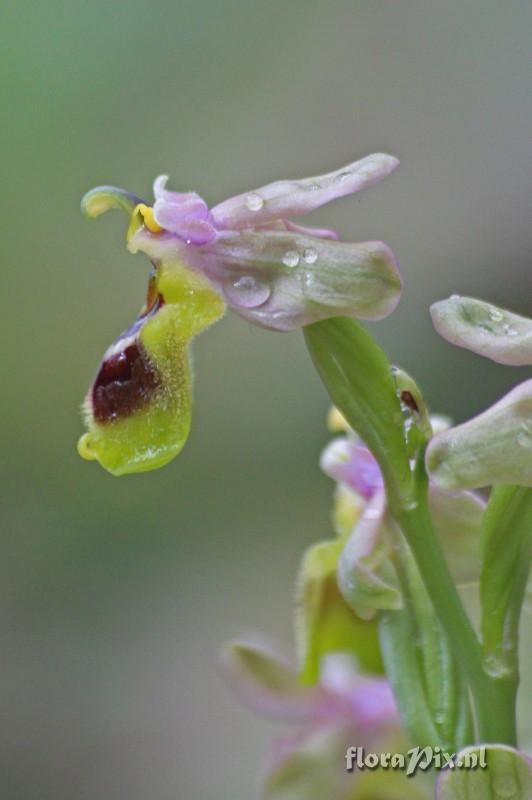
(102, 198)
(84, 448)
(376, 167)
(159, 186)
(485, 329)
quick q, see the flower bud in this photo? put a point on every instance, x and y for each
(493, 448)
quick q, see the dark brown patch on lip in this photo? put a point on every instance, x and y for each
(409, 400)
(125, 383)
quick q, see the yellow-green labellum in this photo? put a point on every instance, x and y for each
(138, 410)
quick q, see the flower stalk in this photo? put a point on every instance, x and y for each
(357, 376)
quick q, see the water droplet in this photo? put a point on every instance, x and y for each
(291, 258)
(310, 256)
(496, 316)
(310, 283)
(247, 292)
(188, 241)
(509, 331)
(494, 666)
(439, 717)
(342, 176)
(504, 786)
(313, 187)
(454, 297)
(254, 202)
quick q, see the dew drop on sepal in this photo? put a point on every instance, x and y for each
(254, 202)
(247, 292)
(291, 258)
(310, 256)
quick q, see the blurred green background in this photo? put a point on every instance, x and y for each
(116, 593)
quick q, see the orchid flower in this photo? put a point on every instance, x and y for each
(245, 253)
(365, 575)
(343, 709)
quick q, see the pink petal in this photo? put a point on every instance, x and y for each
(186, 214)
(176, 198)
(283, 281)
(292, 198)
(307, 230)
(366, 578)
(189, 229)
(266, 683)
(351, 463)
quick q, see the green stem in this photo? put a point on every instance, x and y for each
(442, 680)
(493, 697)
(496, 715)
(506, 557)
(430, 687)
(405, 676)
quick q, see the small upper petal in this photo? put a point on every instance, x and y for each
(184, 214)
(160, 192)
(191, 229)
(292, 198)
